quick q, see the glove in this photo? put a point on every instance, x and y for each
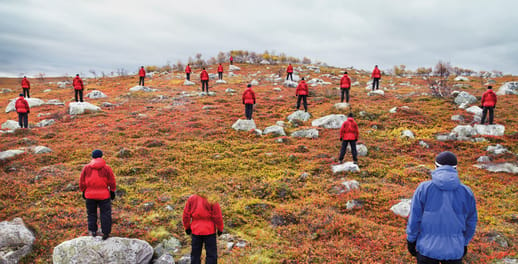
(340, 139)
(188, 231)
(220, 232)
(112, 195)
(465, 251)
(411, 248)
(84, 196)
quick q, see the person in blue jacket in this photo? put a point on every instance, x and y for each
(443, 216)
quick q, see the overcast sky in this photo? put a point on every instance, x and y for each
(74, 36)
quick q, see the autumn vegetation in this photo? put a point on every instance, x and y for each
(278, 195)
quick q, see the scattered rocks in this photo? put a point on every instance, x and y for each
(275, 129)
(95, 250)
(464, 131)
(4, 155)
(423, 144)
(497, 149)
(15, 241)
(165, 259)
(506, 167)
(508, 88)
(402, 208)
(299, 115)
(345, 167)
(330, 121)
(457, 118)
(244, 125)
(78, 108)
(342, 106)
(96, 94)
(306, 133)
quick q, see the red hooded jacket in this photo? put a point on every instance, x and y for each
(345, 82)
(21, 105)
(231, 58)
(220, 68)
(290, 69)
(142, 72)
(248, 96)
(97, 180)
(489, 98)
(202, 217)
(349, 130)
(302, 88)
(376, 73)
(187, 69)
(26, 83)
(204, 76)
(78, 83)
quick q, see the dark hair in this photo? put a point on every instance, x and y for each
(77, 74)
(203, 68)
(489, 87)
(249, 85)
(303, 78)
(345, 72)
(350, 114)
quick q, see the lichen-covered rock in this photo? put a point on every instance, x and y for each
(140, 88)
(15, 241)
(244, 125)
(402, 208)
(45, 122)
(10, 153)
(33, 102)
(490, 130)
(347, 166)
(508, 88)
(278, 130)
(10, 125)
(306, 133)
(96, 94)
(78, 108)
(299, 115)
(330, 121)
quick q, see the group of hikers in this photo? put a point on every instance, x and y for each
(443, 213)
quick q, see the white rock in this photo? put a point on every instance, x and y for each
(33, 102)
(330, 121)
(464, 131)
(506, 167)
(352, 204)
(474, 110)
(10, 125)
(139, 88)
(376, 92)
(96, 94)
(461, 79)
(221, 82)
(277, 89)
(188, 83)
(407, 134)
(164, 259)
(95, 250)
(457, 118)
(78, 108)
(244, 125)
(490, 130)
(393, 110)
(4, 155)
(230, 90)
(278, 130)
(233, 68)
(264, 62)
(306, 133)
(299, 115)
(63, 85)
(6, 90)
(508, 88)
(347, 166)
(497, 150)
(15, 241)
(464, 98)
(47, 90)
(280, 123)
(351, 185)
(484, 159)
(254, 82)
(290, 84)
(55, 102)
(402, 208)
(342, 106)
(423, 144)
(213, 76)
(169, 246)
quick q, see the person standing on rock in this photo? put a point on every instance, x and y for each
(231, 60)
(345, 87)
(202, 219)
(376, 76)
(349, 136)
(97, 183)
(302, 94)
(220, 72)
(204, 77)
(188, 72)
(142, 76)
(78, 88)
(488, 105)
(26, 86)
(23, 110)
(248, 99)
(443, 215)
(289, 72)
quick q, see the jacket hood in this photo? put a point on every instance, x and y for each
(97, 163)
(446, 178)
(350, 119)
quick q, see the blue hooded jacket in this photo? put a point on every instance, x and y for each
(443, 216)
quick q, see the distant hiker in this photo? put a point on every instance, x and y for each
(78, 88)
(26, 85)
(142, 75)
(289, 70)
(97, 183)
(248, 99)
(220, 72)
(23, 110)
(345, 86)
(231, 60)
(202, 219)
(488, 105)
(188, 72)
(443, 215)
(376, 76)
(302, 94)
(204, 77)
(349, 135)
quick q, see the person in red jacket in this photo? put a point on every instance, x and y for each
(188, 72)
(26, 85)
(345, 87)
(204, 77)
(23, 110)
(302, 94)
(248, 99)
(231, 60)
(289, 70)
(78, 88)
(349, 135)
(97, 183)
(142, 76)
(220, 72)
(376, 76)
(202, 219)
(488, 105)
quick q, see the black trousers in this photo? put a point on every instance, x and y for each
(231, 62)
(426, 260)
(188, 76)
(205, 84)
(141, 80)
(220, 75)
(249, 109)
(344, 149)
(486, 109)
(26, 92)
(105, 207)
(375, 83)
(305, 101)
(211, 249)
(23, 120)
(79, 93)
(290, 75)
(346, 92)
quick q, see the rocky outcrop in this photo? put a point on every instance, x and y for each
(96, 94)
(244, 125)
(508, 88)
(15, 241)
(278, 130)
(4, 155)
(78, 108)
(330, 121)
(306, 133)
(299, 115)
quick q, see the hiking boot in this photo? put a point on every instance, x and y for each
(105, 236)
(92, 233)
